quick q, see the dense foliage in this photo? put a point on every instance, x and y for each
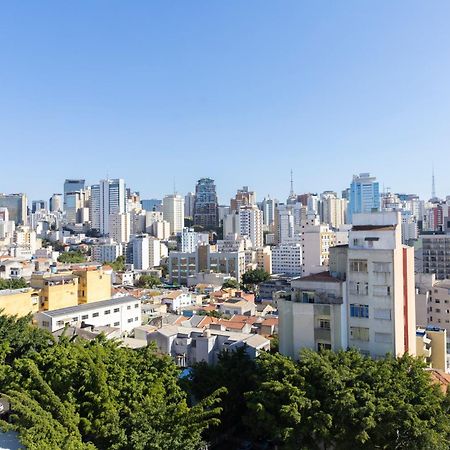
(87, 395)
(231, 283)
(327, 400)
(17, 283)
(147, 281)
(252, 278)
(72, 257)
(118, 265)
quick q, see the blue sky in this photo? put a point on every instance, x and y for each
(241, 91)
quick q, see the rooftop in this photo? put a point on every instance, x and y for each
(89, 306)
(373, 227)
(321, 276)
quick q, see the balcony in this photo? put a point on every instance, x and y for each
(323, 334)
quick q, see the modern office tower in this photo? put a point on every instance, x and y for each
(287, 259)
(333, 210)
(436, 254)
(284, 224)
(380, 286)
(72, 206)
(173, 212)
(268, 209)
(17, 207)
(189, 200)
(243, 197)
(152, 204)
(251, 224)
(364, 195)
(56, 203)
(108, 197)
(73, 185)
(316, 240)
(206, 205)
(119, 227)
(38, 205)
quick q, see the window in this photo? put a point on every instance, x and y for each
(322, 346)
(116, 324)
(438, 310)
(383, 338)
(116, 310)
(357, 265)
(130, 320)
(136, 305)
(381, 291)
(84, 316)
(129, 307)
(359, 311)
(46, 323)
(437, 301)
(324, 324)
(60, 322)
(75, 319)
(381, 267)
(359, 333)
(95, 314)
(382, 313)
(136, 319)
(108, 311)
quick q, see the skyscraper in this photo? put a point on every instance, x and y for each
(56, 203)
(107, 197)
(243, 197)
(364, 195)
(17, 207)
(173, 212)
(72, 185)
(206, 205)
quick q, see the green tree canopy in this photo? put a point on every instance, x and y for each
(118, 265)
(231, 283)
(17, 283)
(148, 281)
(252, 278)
(72, 257)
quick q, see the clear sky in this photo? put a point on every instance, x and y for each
(242, 91)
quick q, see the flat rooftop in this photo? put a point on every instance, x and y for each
(89, 306)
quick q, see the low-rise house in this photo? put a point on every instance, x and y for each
(190, 345)
(19, 302)
(176, 300)
(237, 306)
(123, 313)
(269, 326)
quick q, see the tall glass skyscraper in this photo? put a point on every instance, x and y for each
(70, 186)
(206, 204)
(364, 195)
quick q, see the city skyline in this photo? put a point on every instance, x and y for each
(157, 93)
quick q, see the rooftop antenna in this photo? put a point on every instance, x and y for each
(433, 183)
(174, 186)
(292, 185)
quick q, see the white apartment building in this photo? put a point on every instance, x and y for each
(251, 224)
(380, 286)
(333, 210)
(173, 212)
(284, 224)
(316, 240)
(106, 251)
(123, 313)
(108, 197)
(146, 252)
(287, 259)
(137, 222)
(119, 227)
(190, 239)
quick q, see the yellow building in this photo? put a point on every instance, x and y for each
(93, 284)
(19, 302)
(431, 345)
(56, 290)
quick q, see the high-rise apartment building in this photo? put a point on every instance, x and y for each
(333, 210)
(364, 195)
(17, 207)
(436, 254)
(119, 227)
(284, 224)
(189, 200)
(251, 224)
(56, 203)
(206, 204)
(268, 209)
(243, 197)
(173, 212)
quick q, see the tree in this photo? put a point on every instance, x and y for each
(148, 281)
(252, 278)
(16, 283)
(118, 265)
(94, 394)
(72, 257)
(231, 283)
